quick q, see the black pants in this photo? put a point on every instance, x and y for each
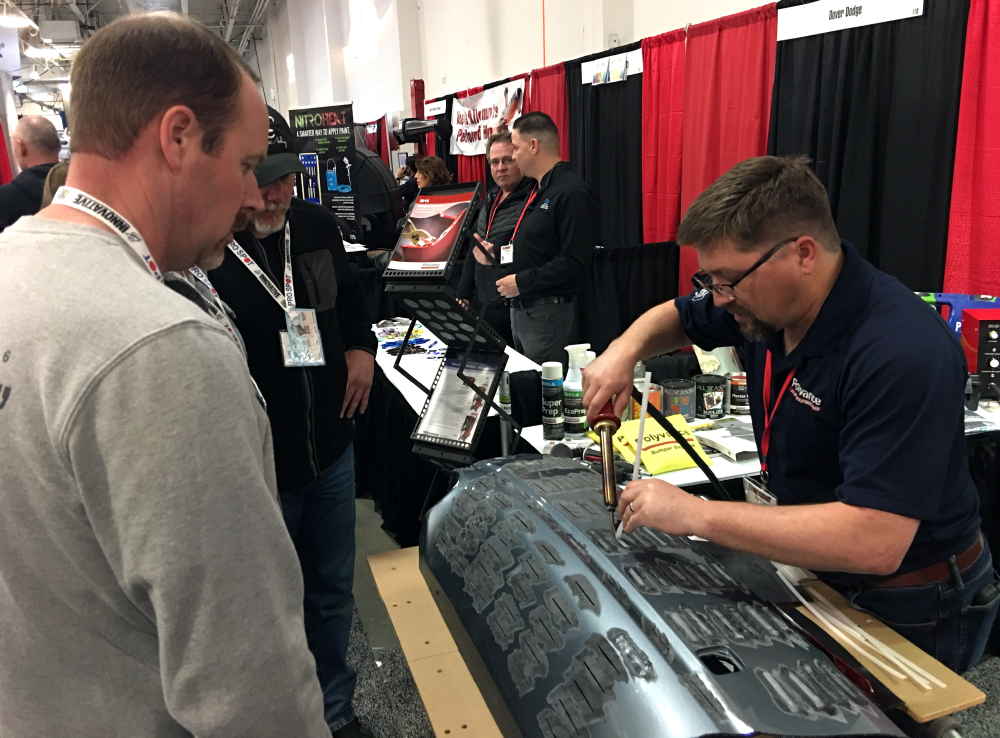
(498, 318)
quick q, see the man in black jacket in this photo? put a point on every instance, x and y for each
(552, 246)
(36, 144)
(298, 304)
(497, 218)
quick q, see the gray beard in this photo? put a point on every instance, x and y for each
(262, 229)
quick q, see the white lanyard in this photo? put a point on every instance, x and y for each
(223, 317)
(79, 200)
(287, 302)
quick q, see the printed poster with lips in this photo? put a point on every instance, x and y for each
(474, 119)
(431, 231)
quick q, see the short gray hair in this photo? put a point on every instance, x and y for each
(759, 201)
(39, 133)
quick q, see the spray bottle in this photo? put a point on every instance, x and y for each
(552, 401)
(576, 414)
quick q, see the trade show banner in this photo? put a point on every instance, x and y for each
(324, 138)
(474, 119)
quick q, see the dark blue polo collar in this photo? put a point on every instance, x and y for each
(841, 309)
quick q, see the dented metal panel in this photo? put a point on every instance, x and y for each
(584, 637)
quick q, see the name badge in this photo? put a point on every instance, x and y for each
(301, 344)
(507, 254)
(757, 492)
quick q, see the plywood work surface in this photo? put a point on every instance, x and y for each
(454, 703)
(922, 704)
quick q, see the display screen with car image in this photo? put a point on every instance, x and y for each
(433, 228)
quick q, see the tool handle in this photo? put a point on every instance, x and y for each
(607, 415)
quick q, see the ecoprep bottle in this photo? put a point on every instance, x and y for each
(575, 413)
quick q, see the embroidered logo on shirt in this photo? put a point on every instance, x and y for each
(700, 295)
(545, 205)
(804, 396)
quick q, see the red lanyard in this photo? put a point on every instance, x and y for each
(493, 212)
(534, 191)
(765, 437)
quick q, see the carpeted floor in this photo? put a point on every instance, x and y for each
(984, 721)
(387, 701)
(385, 698)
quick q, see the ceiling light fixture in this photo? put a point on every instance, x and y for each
(14, 18)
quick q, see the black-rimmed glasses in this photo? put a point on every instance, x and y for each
(702, 280)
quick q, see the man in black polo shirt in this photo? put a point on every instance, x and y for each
(36, 145)
(552, 244)
(857, 398)
(497, 218)
(289, 270)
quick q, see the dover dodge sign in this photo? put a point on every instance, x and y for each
(836, 15)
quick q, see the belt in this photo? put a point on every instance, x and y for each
(935, 572)
(519, 304)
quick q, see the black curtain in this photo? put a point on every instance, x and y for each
(605, 145)
(624, 283)
(876, 108)
(442, 138)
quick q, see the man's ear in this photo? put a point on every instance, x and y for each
(180, 135)
(808, 252)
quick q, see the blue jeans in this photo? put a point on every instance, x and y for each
(320, 518)
(939, 618)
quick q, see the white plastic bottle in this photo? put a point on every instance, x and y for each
(573, 409)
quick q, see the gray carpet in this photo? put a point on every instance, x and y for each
(385, 698)
(387, 701)
(983, 721)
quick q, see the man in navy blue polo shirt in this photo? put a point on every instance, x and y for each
(857, 399)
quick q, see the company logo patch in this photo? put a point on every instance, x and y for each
(807, 398)
(701, 295)
(545, 205)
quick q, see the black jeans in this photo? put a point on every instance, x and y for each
(940, 618)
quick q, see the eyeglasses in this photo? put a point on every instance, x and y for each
(702, 280)
(506, 161)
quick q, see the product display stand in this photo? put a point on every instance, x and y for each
(459, 400)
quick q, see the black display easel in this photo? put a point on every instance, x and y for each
(429, 299)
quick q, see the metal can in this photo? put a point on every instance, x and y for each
(737, 397)
(655, 398)
(710, 396)
(679, 398)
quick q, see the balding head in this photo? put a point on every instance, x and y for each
(35, 141)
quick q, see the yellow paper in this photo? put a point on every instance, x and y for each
(660, 452)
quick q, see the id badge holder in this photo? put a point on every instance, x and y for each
(755, 490)
(301, 344)
(507, 254)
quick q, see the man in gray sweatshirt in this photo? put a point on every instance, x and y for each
(148, 586)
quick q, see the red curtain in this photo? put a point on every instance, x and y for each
(728, 75)
(662, 128)
(6, 173)
(471, 168)
(547, 94)
(972, 263)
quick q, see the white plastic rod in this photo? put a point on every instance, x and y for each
(834, 630)
(642, 423)
(919, 674)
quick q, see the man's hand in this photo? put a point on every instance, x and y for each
(360, 368)
(657, 504)
(464, 303)
(507, 286)
(478, 253)
(609, 374)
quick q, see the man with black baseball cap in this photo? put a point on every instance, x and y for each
(310, 347)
